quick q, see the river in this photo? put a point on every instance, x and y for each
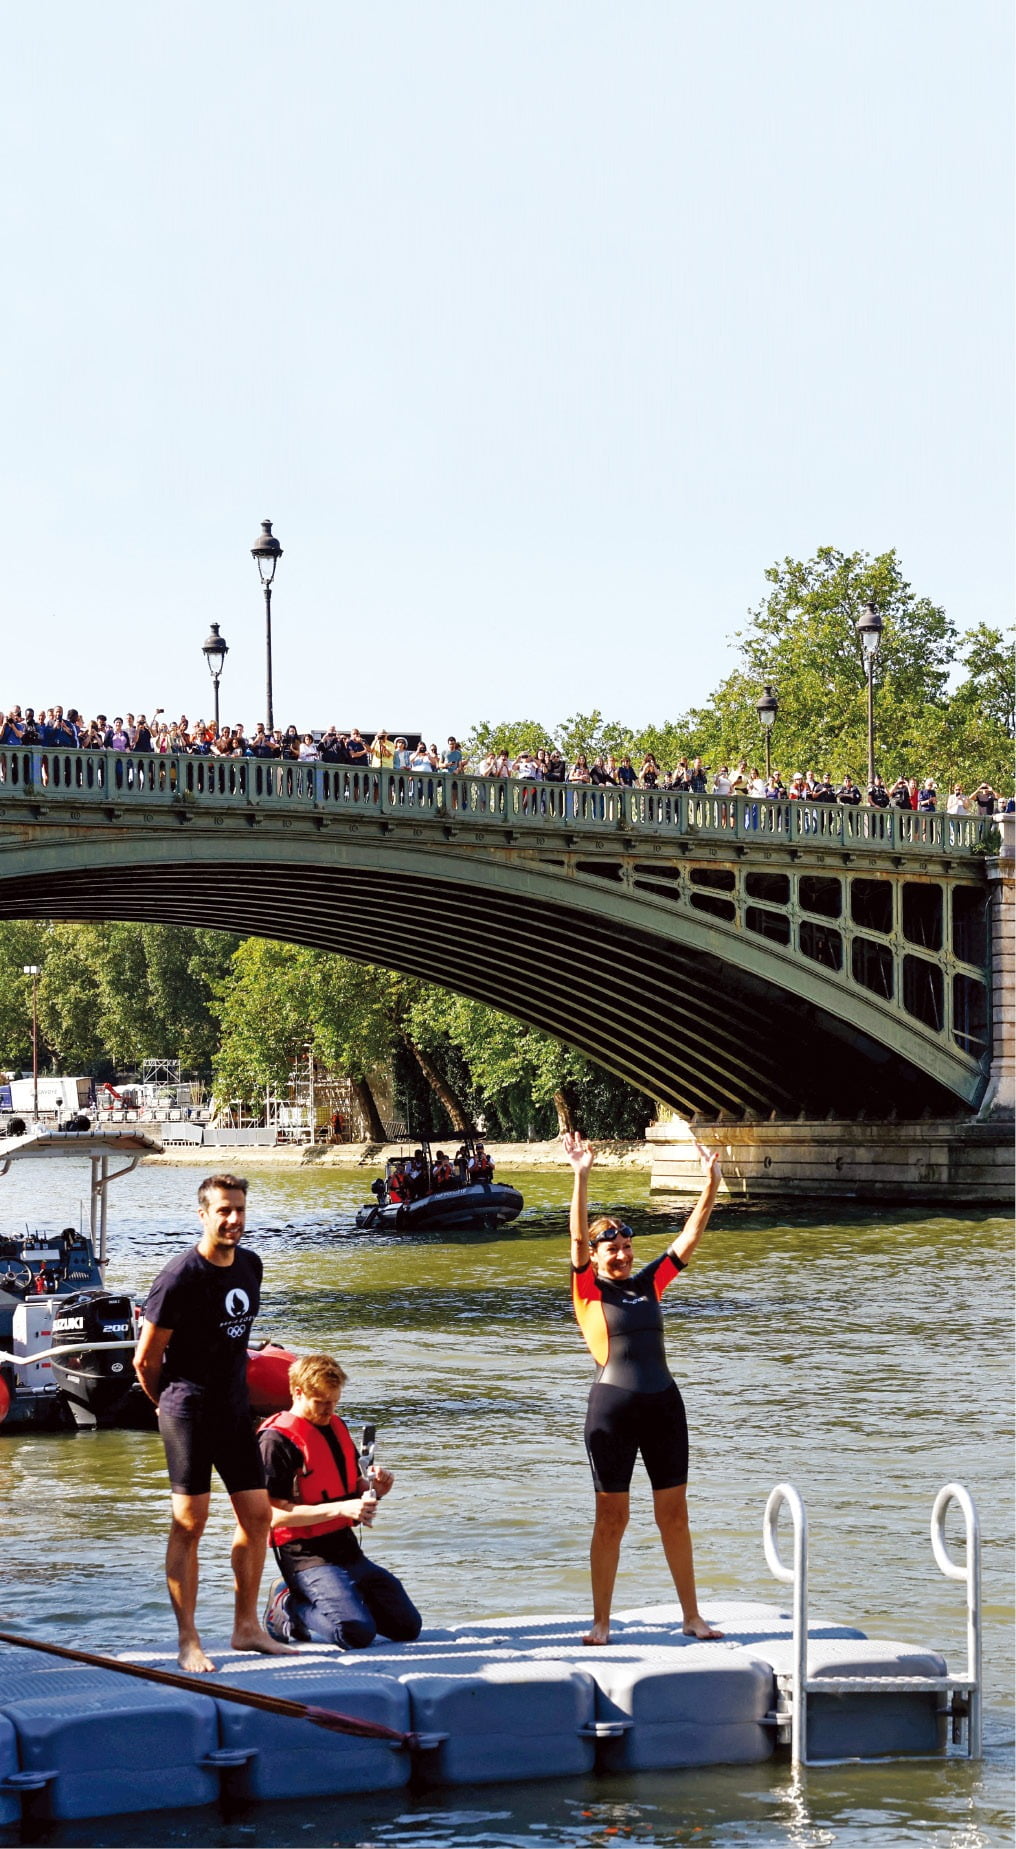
(866, 1359)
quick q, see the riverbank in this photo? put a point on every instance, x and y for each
(373, 1156)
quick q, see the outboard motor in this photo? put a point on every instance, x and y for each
(94, 1382)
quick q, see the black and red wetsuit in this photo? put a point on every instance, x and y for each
(634, 1403)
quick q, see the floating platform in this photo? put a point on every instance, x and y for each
(498, 1701)
(504, 1700)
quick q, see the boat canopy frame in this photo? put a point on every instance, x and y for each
(100, 1147)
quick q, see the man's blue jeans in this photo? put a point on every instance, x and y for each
(349, 1605)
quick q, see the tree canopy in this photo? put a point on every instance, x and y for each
(944, 701)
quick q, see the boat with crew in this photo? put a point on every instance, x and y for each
(418, 1192)
(66, 1341)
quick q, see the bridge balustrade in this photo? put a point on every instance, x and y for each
(151, 777)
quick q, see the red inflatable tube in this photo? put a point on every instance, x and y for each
(268, 1378)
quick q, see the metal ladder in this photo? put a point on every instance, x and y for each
(961, 1694)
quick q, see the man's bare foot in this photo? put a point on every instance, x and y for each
(600, 1634)
(259, 1640)
(698, 1627)
(192, 1658)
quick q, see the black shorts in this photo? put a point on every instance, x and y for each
(224, 1440)
(620, 1424)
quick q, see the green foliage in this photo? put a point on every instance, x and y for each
(111, 994)
(802, 640)
(263, 1003)
(980, 723)
(593, 735)
(990, 662)
(511, 735)
(20, 943)
(278, 999)
(588, 733)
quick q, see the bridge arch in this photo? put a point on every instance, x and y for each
(666, 996)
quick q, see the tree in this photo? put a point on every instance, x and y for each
(263, 1006)
(528, 1082)
(280, 998)
(511, 735)
(454, 1060)
(802, 639)
(20, 943)
(980, 723)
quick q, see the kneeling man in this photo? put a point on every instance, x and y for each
(331, 1593)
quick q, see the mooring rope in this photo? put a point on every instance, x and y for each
(223, 1691)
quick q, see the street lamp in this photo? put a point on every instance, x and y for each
(35, 971)
(267, 552)
(215, 648)
(869, 628)
(767, 709)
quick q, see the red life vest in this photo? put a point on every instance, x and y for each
(320, 1479)
(398, 1186)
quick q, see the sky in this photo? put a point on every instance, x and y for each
(538, 329)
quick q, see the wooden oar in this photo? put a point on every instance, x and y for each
(223, 1691)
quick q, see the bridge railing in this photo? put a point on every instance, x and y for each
(151, 779)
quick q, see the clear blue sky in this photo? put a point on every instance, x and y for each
(539, 329)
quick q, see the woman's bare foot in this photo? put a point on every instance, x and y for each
(259, 1640)
(600, 1634)
(192, 1658)
(698, 1627)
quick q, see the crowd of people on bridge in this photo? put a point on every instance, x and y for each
(53, 728)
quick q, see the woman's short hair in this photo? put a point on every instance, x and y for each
(317, 1377)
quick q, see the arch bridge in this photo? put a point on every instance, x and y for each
(730, 956)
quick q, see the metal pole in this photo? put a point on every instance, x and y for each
(215, 684)
(270, 723)
(100, 1256)
(769, 754)
(35, 1047)
(871, 720)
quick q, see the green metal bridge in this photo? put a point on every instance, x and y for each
(731, 956)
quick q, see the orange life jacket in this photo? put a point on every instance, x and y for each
(398, 1186)
(320, 1479)
(442, 1174)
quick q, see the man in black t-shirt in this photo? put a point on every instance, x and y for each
(191, 1361)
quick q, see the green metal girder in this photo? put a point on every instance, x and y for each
(701, 1016)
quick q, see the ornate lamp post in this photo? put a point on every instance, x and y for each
(767, 709)
(869, 628)
(266, 553)
(215, 648)
(35, 971)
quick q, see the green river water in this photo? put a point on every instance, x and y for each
(867, 1360)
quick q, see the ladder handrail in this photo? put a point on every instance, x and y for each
(970, 1573)
(785, 1495)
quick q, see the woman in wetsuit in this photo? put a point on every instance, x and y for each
(634, 1404)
